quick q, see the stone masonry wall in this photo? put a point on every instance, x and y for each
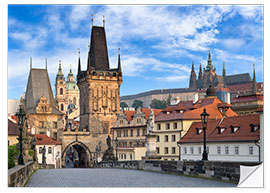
(226, 171)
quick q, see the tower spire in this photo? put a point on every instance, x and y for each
(223, 71)
(254, 83)
(103, 21)
(192, 66)
(209, 64)
(119, 61)
(30, 62)
(46, 63)
(79, 62)
(92, 19)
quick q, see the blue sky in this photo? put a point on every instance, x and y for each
(158, 43)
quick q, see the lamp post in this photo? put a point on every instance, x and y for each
(116, 146)
(204, 119)
(21, 117)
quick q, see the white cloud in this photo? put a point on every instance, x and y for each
(78, 13)
(250, 12)
(233, 43)
(173, 78)
(223, 55)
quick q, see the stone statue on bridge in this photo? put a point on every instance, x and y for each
(109, 140)
(150, 122)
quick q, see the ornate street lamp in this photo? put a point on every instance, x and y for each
(204, 119)
(116, 146)
(21, 117)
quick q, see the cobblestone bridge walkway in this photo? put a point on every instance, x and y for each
(103, 177)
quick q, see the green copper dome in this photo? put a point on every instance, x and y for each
(71, 86)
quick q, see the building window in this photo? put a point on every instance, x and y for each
(234, 129)
(218, 150)
(173, 150)
(175, 125)
(118, 133)
(61, 90)
(41, 132)
(130, 156)
(199, 150)
(125, 133)
(138, 132)
(185, 150)
(61, 107)
(55, 124)
(226, 150)
(130, 144)
(157, 150)
(191, 150)
(158, 138)
(166, 150)
(41, 124)
(167, 125)
(131, 133)
(144, 132)
(236, 150)
(173, 138)
(254, 128)
(139, 121)
(121, 122)
(125, 156)
(250, 150)
(55, 135)
(166, 138)
(158, 127)
(40, 149)
(207, 149)
(49, 150)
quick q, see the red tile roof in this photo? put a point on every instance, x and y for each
(129, 114)
(254, 97)
(194, 111)
(43, 139)
(242, 134)
(13, 128)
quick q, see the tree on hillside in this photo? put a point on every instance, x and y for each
(137, 103)
(158, 104)
(123, 105)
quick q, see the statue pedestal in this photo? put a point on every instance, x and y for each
(151, 152)
(108, 155)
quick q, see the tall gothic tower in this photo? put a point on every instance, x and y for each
(192, 80)
(209, 73)
(99, 87)
(60, 89)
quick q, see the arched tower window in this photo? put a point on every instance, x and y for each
(62, 107)
(61, 90)
(74, 101)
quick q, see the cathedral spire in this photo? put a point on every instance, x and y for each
(119, 61)
(209, 64)
(192, 70)
(79, 62)
(192, 80)
(254, 83)
(223, 71)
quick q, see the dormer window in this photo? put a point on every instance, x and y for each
(167, 112)
(234, 129)
(220, 130)
(254, 127)
(181, 111)
(199, 130)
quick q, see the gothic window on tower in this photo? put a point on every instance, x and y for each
(74, 100)
(61, 90)
(62, 107)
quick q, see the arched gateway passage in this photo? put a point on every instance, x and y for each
(76, 155)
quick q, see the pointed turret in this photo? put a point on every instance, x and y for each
(200, 78)
(70, 77)
(192, 80)
(119, 61)
(223, 71)
(254, 83)
(60, 75)
(30, 63)
(79, 62)
(209, 63)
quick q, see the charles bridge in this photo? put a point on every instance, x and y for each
(143, 173)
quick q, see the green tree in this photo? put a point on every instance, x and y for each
(12, 154)
(137, 103)
(158, 104)
(123, 105)
(169, 99)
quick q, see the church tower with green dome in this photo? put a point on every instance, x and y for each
(67, 93)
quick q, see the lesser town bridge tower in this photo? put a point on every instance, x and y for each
(99, 102)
